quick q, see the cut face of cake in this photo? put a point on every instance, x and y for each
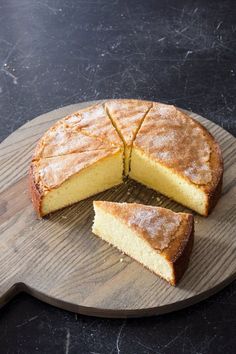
(158, 238)
(127, 117)
(177, 157)
(60, 181)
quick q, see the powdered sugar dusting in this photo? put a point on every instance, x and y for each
(127, 115)
(171, 137)
(62, 140)
(157, 224)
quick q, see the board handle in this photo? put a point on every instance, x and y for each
(9, 290)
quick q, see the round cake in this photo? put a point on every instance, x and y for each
(155, 144)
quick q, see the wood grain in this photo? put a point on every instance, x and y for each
(60, 261)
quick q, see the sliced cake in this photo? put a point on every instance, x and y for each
(127, 116)
(178, 157)
(170, 152)
(59, 181)
(158, 238)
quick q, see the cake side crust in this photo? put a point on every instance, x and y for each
(35, 190)
(181, 255)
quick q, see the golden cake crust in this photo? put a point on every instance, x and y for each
(63, 140)
(127, 115)
(95, 122)
(88, 129)
(36, 190)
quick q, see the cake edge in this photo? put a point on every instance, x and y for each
(36, 192)
(182, 258)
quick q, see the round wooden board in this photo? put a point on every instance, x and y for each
(60, 261)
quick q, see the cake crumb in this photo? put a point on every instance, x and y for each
(64, 217)
(121, 259)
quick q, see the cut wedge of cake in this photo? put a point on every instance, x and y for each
(60, 181)
(85, 130)
(127, 116)
(178, 157)
(81, 155)
(63, 140)
(156, 237)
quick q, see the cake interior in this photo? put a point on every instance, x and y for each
(128, 143)
(102, 175)
(115, 232)
(168, 182)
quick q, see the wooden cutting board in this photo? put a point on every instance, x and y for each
(61, 262)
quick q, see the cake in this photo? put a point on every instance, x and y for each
(155, 144)
(176, 156)
(127, 116)
(158, 238)
(81, 155)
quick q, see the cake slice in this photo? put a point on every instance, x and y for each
(62, 139)
(85, 130)
(79, 156)
(178, 157)
(59, 181)
(95, 122)
(127, 116)
(156, 237)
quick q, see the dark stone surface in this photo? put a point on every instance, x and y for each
(53, 53)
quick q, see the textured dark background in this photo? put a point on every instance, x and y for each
(53, 53)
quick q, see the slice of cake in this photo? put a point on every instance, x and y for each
(95, 122)
(158, 238)
(59, 181)
(81, 155)
(62, 139)
(127, 116)
(178, 157)
(85, 130)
